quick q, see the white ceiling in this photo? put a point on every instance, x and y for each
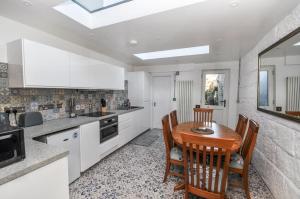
(229, 31)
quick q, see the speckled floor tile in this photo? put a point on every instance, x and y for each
(136, 171)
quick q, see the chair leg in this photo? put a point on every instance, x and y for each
(246, 185)
(186, 195)
(168, 165)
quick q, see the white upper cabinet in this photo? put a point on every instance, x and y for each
(36, 65)
(79, 71)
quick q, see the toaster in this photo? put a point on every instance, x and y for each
(30, 119)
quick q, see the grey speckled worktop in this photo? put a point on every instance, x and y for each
(40, 154)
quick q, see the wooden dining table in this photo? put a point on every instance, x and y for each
(220, 132)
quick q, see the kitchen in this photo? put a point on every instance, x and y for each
(85, 88)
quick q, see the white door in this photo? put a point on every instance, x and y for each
(215, 87)
(161, 99)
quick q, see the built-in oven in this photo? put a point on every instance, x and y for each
(108, 128)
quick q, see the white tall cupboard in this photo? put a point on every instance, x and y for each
(139, 94)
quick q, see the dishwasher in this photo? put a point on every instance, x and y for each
(70, 140)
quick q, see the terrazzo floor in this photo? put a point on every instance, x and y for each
(136, 171)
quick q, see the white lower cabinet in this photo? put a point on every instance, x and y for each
(126, 128)
(48, 182)
(132, 125)
(89, 144)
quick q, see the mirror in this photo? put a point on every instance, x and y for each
(279, 78)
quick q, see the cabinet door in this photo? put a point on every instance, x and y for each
(146, 116)
(136, 88)
(105, 76)
(147, 86)
(45, 66)
(79, 71)
(89, 144)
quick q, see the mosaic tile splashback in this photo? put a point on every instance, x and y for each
(53, 103)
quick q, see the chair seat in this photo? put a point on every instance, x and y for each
(176, 154)
(207, 177)
(237, 161)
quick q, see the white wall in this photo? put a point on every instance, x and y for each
(12, 30)
(193, 72)
(277, 153)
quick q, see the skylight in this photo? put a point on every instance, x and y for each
(199, 50)
(96, 5)
(297, 44)
(85, 11)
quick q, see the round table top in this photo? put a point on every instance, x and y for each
(220, 131)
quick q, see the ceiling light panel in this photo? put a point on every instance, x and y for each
(297, 44)
(199, 50)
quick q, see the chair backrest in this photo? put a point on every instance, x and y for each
(241, 125)
(204, 176)
(173, 116)
(203, 115)
(167, 133)
(249, 142)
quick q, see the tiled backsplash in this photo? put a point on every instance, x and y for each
(53, 103)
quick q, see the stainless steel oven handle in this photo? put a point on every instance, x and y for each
(111, 125)
(5, 137)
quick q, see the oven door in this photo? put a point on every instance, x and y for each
(108, 132)
(8, 149)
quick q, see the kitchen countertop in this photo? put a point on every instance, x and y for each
(39, 154)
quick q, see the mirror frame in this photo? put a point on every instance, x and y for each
(285, 116)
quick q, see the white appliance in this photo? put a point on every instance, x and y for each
(71, 140)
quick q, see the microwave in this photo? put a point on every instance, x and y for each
(12, 147)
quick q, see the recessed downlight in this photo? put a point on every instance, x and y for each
(234, 3)
(27, 3)
(133, 42)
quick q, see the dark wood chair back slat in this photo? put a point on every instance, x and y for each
(241, 125)
(203, 115)
(204, 168)
(173, 116)
(167, 134)
(249, 142)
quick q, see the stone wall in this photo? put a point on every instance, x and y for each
(53, 103)
(277, 153)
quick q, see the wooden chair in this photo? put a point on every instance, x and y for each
(202, 177)
(241, 125)
(173, 154)
(203, 115)
(241, 164)
(173, 116)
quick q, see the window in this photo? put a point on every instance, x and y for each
(263, 88)
(214, 89)
(96, 5)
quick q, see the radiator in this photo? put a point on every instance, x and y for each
(293, 93)
(184, 95)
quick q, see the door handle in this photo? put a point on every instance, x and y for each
(224, 102)
(154, 104)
